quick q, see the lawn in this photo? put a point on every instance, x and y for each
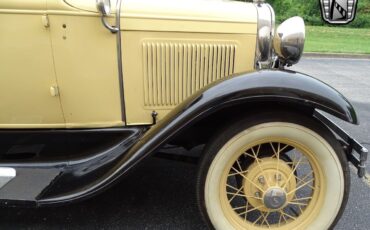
(337, 40)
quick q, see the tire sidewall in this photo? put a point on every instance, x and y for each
(333, 164)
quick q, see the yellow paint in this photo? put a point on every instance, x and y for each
(62, 44)
(86, 68)
(135, 78)
(21, 5)
(159, 25)
(27, 70)
(169, 76)
(151, 28)
(195, 10)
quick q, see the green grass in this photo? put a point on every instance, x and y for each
(337, 40)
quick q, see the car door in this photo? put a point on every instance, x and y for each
(85, 55)
(28, 87)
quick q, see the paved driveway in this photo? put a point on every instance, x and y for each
(351, 77)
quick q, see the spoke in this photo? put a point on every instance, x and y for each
(305, 176)
(277, 156)
(258, 150)
(277, 153)
(299, 187)
(273, 149)
(295, 162)
(300, 208)
(236, 194)
(247, 179)
(240, 207)
(282, 215)
(230, 186)
(265, 219)
(257, 220)
(303, 198)
(286, 146)
(294, 211)
(292, 173)
(236, 173)
(286, 214)
(242, 195)
(246, 209)
(303, 181)
(240, 167)
(250, 155)
(259, 166)
(280, 219)
(250, 210)
(297, 203)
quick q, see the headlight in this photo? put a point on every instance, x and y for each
(289, 41)
(266, 27)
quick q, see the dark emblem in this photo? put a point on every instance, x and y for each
(338, 11)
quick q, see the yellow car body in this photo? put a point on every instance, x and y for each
(59, 65)
(90, 88)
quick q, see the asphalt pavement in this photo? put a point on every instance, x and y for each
(160, 194)
(351, 77)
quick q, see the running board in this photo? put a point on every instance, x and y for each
(6, 175)
(52, 178)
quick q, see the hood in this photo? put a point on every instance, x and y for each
(195, 10)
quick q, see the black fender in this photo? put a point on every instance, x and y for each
(262, 86)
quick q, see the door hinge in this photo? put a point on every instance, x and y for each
(45, 20)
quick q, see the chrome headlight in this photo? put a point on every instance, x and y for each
(289, 41)
(265, 32)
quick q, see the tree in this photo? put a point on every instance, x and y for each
(310, 11)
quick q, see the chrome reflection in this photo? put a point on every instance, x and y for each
(266, 26)
(289, 40)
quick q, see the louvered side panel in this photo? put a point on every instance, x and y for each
(173, 71)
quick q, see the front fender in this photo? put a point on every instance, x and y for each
(273, 86)
(262, 86)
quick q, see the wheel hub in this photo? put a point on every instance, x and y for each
(268, 183)
(274, 198)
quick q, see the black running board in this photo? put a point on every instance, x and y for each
(46, 180)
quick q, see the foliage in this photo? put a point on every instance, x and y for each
(310, 11)
(363, 15)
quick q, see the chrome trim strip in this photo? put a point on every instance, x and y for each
(265, 33)
(273, 20)
(6, 175)
(119, 59)
(109, 27)
(256, 53)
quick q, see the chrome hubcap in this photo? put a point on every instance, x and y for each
(267, 188)
(274, 198)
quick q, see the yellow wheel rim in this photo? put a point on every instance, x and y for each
(272, 183)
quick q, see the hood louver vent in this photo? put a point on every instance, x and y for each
(173, 71)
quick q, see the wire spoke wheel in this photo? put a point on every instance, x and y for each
(273, 175)
(270, 184)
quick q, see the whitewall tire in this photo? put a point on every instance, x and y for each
(273, 172)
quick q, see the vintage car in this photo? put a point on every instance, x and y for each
(91, 88)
